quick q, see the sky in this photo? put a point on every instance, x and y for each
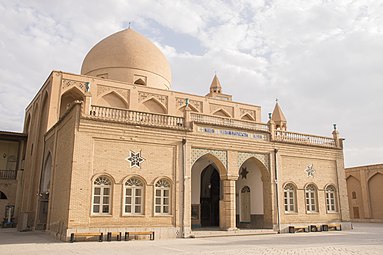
(322, 59)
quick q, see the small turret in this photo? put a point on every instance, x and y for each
(215, 86)
(279, 118)
(216, 90)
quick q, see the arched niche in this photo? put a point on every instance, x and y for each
(69, 97)
(206, 189)
(356, 205)
(153, 105)
(253, 174)
(375, 186)
(222, 113)
(112, 99)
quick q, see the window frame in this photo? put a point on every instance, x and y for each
(134, 188)
(289, 194)
(311, 199)
(331, 190)
(102, 179)
(162, 185)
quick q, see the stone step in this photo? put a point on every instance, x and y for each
(237, 232)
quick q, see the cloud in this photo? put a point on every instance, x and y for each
(321, 58)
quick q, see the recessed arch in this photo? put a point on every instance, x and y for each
(140, 81)
(247, 116)
(71, 95)
(355, 200)
(3, 196)
(46, 174)
(191, 106)
(375, 189)
(112, 99)
(154, 105)
(222, 113)
(253, 173)
(208, 159)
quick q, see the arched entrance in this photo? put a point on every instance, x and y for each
(253, 196)
(206, 192)
(209, 197)
(44, 194)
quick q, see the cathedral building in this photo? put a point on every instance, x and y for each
(115, 149)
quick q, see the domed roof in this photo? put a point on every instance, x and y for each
(126, 55)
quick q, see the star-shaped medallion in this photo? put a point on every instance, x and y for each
(135, 159)
(310, 170)
(244, 172)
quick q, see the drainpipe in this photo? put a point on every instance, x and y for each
(277, 191)
(184, 185)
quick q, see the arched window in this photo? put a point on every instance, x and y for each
(134, 190)
(2, 195)
(330, 199)
(289, 198)
(311, 198)
(162, 197)
(102, 188)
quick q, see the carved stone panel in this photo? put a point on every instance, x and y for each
(247, 111)
(82, 85)
(196, 104)
(228, 109)
(104, 89)
(142, 96)
(264, 158)
(199, 152)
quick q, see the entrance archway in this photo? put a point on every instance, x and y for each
(253, 193)
(207, 175)
(209, 197)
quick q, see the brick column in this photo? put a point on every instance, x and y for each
(228, 204)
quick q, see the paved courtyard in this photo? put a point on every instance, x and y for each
(365, 238)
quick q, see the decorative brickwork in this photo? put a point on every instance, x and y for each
(228, 109)
(247, 111)
(264, 158)
(196, 104)
(198, 152)
(101, 90)
(143, 96)
(72, 83)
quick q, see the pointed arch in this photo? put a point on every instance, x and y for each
(27, 123)
(222, 113)
(46, 175)
(375, 188)
(247, 116)
(354, 191)
(69, 97)
(112, 99)
(154, 105)
(140, 81)
(3, 196)
(254, 174)
(192, 107)
(208, 159)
